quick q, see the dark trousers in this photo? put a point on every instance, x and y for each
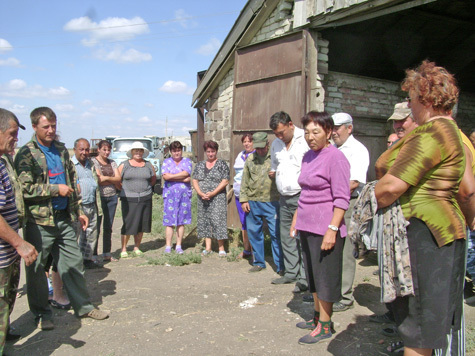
(109, 206)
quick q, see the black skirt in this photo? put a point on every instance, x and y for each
(425, 319)
(323, 268)
(136, 215)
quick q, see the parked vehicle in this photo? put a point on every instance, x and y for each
(120, 146)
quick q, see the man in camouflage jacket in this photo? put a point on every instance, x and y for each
(52, 203)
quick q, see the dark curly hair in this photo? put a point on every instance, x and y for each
(211, 144)
(174, 145)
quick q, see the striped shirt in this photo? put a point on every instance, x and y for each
(9, 212)
(86, 180)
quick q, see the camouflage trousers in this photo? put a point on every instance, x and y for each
(9, 279)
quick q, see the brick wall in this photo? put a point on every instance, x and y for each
(278, 23)
(361, 96)
(218, 116)
(466, 112)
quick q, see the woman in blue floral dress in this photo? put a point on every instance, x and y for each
(176, 172)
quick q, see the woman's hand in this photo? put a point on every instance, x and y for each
(329, 240)
(245, 207)
(293, 230)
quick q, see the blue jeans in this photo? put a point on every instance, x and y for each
(109, 205)
(254, 221)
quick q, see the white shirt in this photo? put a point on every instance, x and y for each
(287, 163)
(358, 156)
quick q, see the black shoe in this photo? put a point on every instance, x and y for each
(255, 269)
(91, 264)
(382, 319)
(12, 337)
(307, 298)
(299, 288)
(283, 280)
(339, 307)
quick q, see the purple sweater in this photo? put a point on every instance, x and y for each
(325, 182)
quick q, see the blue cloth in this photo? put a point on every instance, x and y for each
(254, 221)
(86, 180)
(55, 173)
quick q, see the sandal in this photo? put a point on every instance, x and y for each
(57, 305)
(396, 347)
(222, 254)
(110, 259)
(124, 254)
(138, 253)
(206, 252)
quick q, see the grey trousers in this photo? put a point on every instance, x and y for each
(59, 240)
(292, 252)
(87, 239)
(349, 263)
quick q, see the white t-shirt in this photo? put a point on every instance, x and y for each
(358, 156)
(287, 163)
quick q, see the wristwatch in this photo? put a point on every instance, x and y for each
(333, 227)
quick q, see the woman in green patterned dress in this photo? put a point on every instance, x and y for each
(425, 176)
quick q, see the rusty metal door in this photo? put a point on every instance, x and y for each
(268, 77)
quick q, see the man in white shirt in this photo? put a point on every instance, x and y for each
(358, 156)
(287, 152)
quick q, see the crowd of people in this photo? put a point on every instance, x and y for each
(308, 187)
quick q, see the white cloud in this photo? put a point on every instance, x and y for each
(184, 19)
(122, 56)
(109, 29)
(9, 62)
(18, 110)
(209, 48)
(175, 87)
(5, 46)
(19, 88)
(64, 107)
(149, 105)
(145, 119)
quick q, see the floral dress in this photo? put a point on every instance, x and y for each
(212, 214)
(176, 195)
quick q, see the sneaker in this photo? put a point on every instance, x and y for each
(206, 252)
(178, 250)
(339, 307)
(168, 249)
(97, 314)
(283, 280)
(255, 269)
(90, 264)
(382, 319)
(45, 324)
(321, 332)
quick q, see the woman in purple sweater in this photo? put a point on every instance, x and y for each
(325, 196)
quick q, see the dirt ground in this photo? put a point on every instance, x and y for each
(196, 310)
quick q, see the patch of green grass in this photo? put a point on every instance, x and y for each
(175, 259)
(233, 254)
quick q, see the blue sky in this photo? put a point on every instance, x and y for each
(109, 67)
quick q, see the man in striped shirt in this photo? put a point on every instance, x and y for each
(87, 182)
(12, 246)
